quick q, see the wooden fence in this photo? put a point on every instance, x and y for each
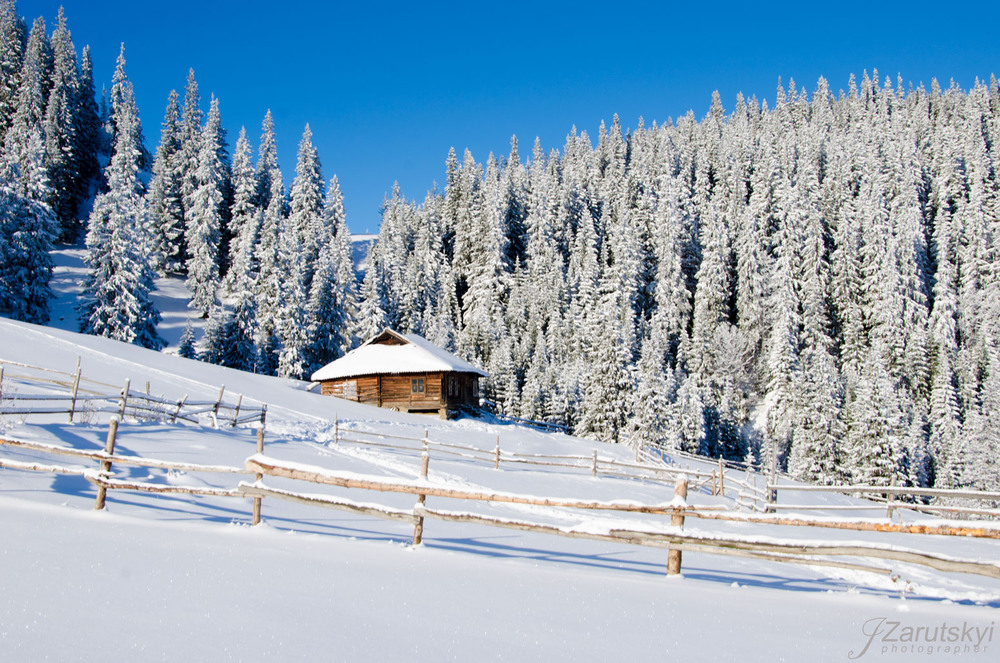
(763, 497)
(740, 485)
(595, 464)
(673, 537)
(76, 396)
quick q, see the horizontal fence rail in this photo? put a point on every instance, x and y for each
(727, 480)
(84, 397)
(673, 538)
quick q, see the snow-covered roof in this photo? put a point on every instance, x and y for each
(409, 353)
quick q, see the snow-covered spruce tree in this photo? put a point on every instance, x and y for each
(291, 324)
(240, 348)
(61, 126)
(245, 221)
(204, 217)
(33, 85)
(332, 303)
(116, 302)
(854, 305)
(214, 341)
(186, 347)
(12, 44)
(269, 286)
(191, 132)
(267, 161)
(88, 131)
(386, 260)
(27, 230)
(479, 262)
(305, 217)
(165, 198)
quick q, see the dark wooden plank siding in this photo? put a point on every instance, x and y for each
(441, 391)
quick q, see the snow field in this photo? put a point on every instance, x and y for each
(174, 576)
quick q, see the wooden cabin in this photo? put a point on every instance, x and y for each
(403, 372)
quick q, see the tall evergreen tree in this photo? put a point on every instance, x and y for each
(332, 298)
(61, 125)
(306, 211)
(116, 303)
(166, 198)
(245, 221)
(27, 229)
(12, 45)
(204, 217)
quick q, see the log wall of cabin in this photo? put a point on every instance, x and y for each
(441, 390)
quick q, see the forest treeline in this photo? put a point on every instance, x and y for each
(812, 283)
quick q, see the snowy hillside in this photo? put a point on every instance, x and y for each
(169, 577)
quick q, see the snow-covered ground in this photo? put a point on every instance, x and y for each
(178, 577)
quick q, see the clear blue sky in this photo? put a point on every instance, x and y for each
(388, 87)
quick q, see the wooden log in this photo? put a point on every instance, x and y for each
(881, 490)
(215, 408)
(496, 461)
(989, 530)
(677, 520)
(53, 449)
(76, 390)
(418, 525)
(578, 534)
(180, 406)
(236, 415)
(272, 467)
(109, 449)
(258, 491)
(255, 515)
(932, 560)
(123, 404)
(103, 483)
(42, 467)
(593, 467)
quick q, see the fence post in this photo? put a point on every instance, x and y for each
(722, 478)
(677, 520)
(772, 481)
(889, 496)
(1, 382)
(109, 448)
(593, 466)
(76, 390)
(418, 526)
(180, 405)
(215, 410)
(124, 401)
(496, 455)
(336, 429)
(236, 417)
(255, 519)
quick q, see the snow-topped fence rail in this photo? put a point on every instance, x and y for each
(673, 537)
(57, 392)
(759, 493)
(608, 528)
(596, 465)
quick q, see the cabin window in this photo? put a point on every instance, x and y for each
(417, 385)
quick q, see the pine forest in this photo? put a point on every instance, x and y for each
(811, 282)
